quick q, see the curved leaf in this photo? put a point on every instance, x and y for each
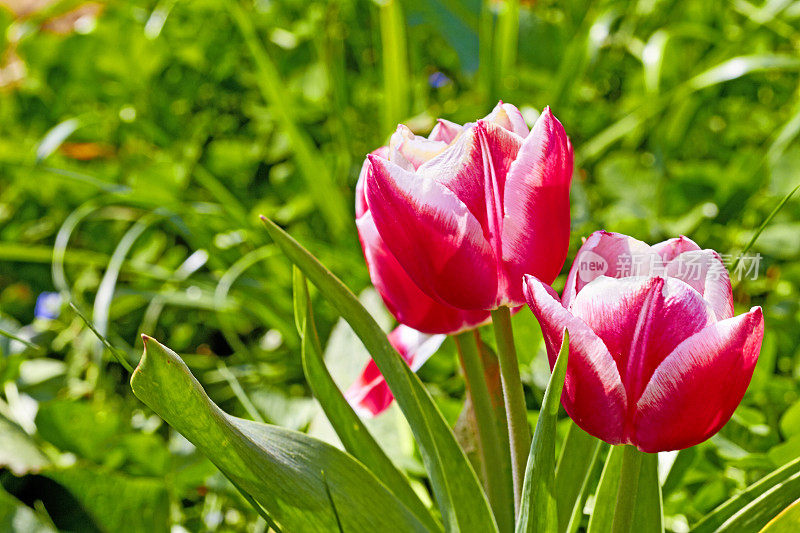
(786, 522)
(760, 511)
(302, 483)
(351, 431)
(456, 487)
(717, 517)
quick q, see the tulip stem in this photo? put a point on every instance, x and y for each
(489, 447)
(519, 434)
(628, 488)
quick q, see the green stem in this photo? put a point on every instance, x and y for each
(394, 53)
(485, 59)
(628, 488)
(489, 447)
(519, 434)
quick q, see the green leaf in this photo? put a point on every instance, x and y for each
(578, 457)
(733, 507)
(16, 517)
(786, 522)
(606, 495)
(680, 467)
(302, 483)
(18, 451)
(86, 429)
(348, 426)
(456, 487)
(117, 502)
(538, 504)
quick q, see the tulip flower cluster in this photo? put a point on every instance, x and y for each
(475, 218)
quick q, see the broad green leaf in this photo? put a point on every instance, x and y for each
(351, 431)
(16, 517)
(86, 429)
(116, 502)
(647, 514)
(538, 504)
(456, 487)
(302, 483)
(734, 506)
(573, 473)
(18, 452)
(786, 522)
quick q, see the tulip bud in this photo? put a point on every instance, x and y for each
(369, 395)
(469, 210)
(657, 358)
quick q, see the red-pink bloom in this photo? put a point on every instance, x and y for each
(406, 301)
(656, 357)
(468, 210)
(370, 395)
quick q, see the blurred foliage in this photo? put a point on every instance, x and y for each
(140, 140)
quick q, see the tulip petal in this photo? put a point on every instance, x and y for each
(433, 235)
(695, 390)
(672, 248)
(408, 304)
(361, 199)
(474, 167)
(369, 395)
(405, 146)
(536, 204)
(593, 395)
(509, 117)
(608, 254)
(444, 130)
(705, 272)
(641, 320)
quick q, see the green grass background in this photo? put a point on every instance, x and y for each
(140, 140)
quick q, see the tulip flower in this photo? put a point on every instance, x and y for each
(369, 395)
(657, 358)
(468, 210)
(406, 301)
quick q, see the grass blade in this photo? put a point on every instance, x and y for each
(723, 513)
(764, 224)
(310, 162)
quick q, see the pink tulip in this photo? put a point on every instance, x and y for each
(656, 357)
(370, 395)
(406, 301)
(468, 210)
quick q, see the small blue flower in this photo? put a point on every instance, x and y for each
(438, 79)
(48, 305)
